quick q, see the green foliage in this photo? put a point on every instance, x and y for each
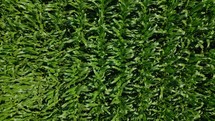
(98, 60)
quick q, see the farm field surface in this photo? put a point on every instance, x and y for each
(107, 60)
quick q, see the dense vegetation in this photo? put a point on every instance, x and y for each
(150, 60)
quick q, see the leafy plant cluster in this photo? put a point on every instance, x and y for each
(107, 60)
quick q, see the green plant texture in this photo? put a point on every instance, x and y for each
(107, 60)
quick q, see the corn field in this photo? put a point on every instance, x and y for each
(107, 60)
